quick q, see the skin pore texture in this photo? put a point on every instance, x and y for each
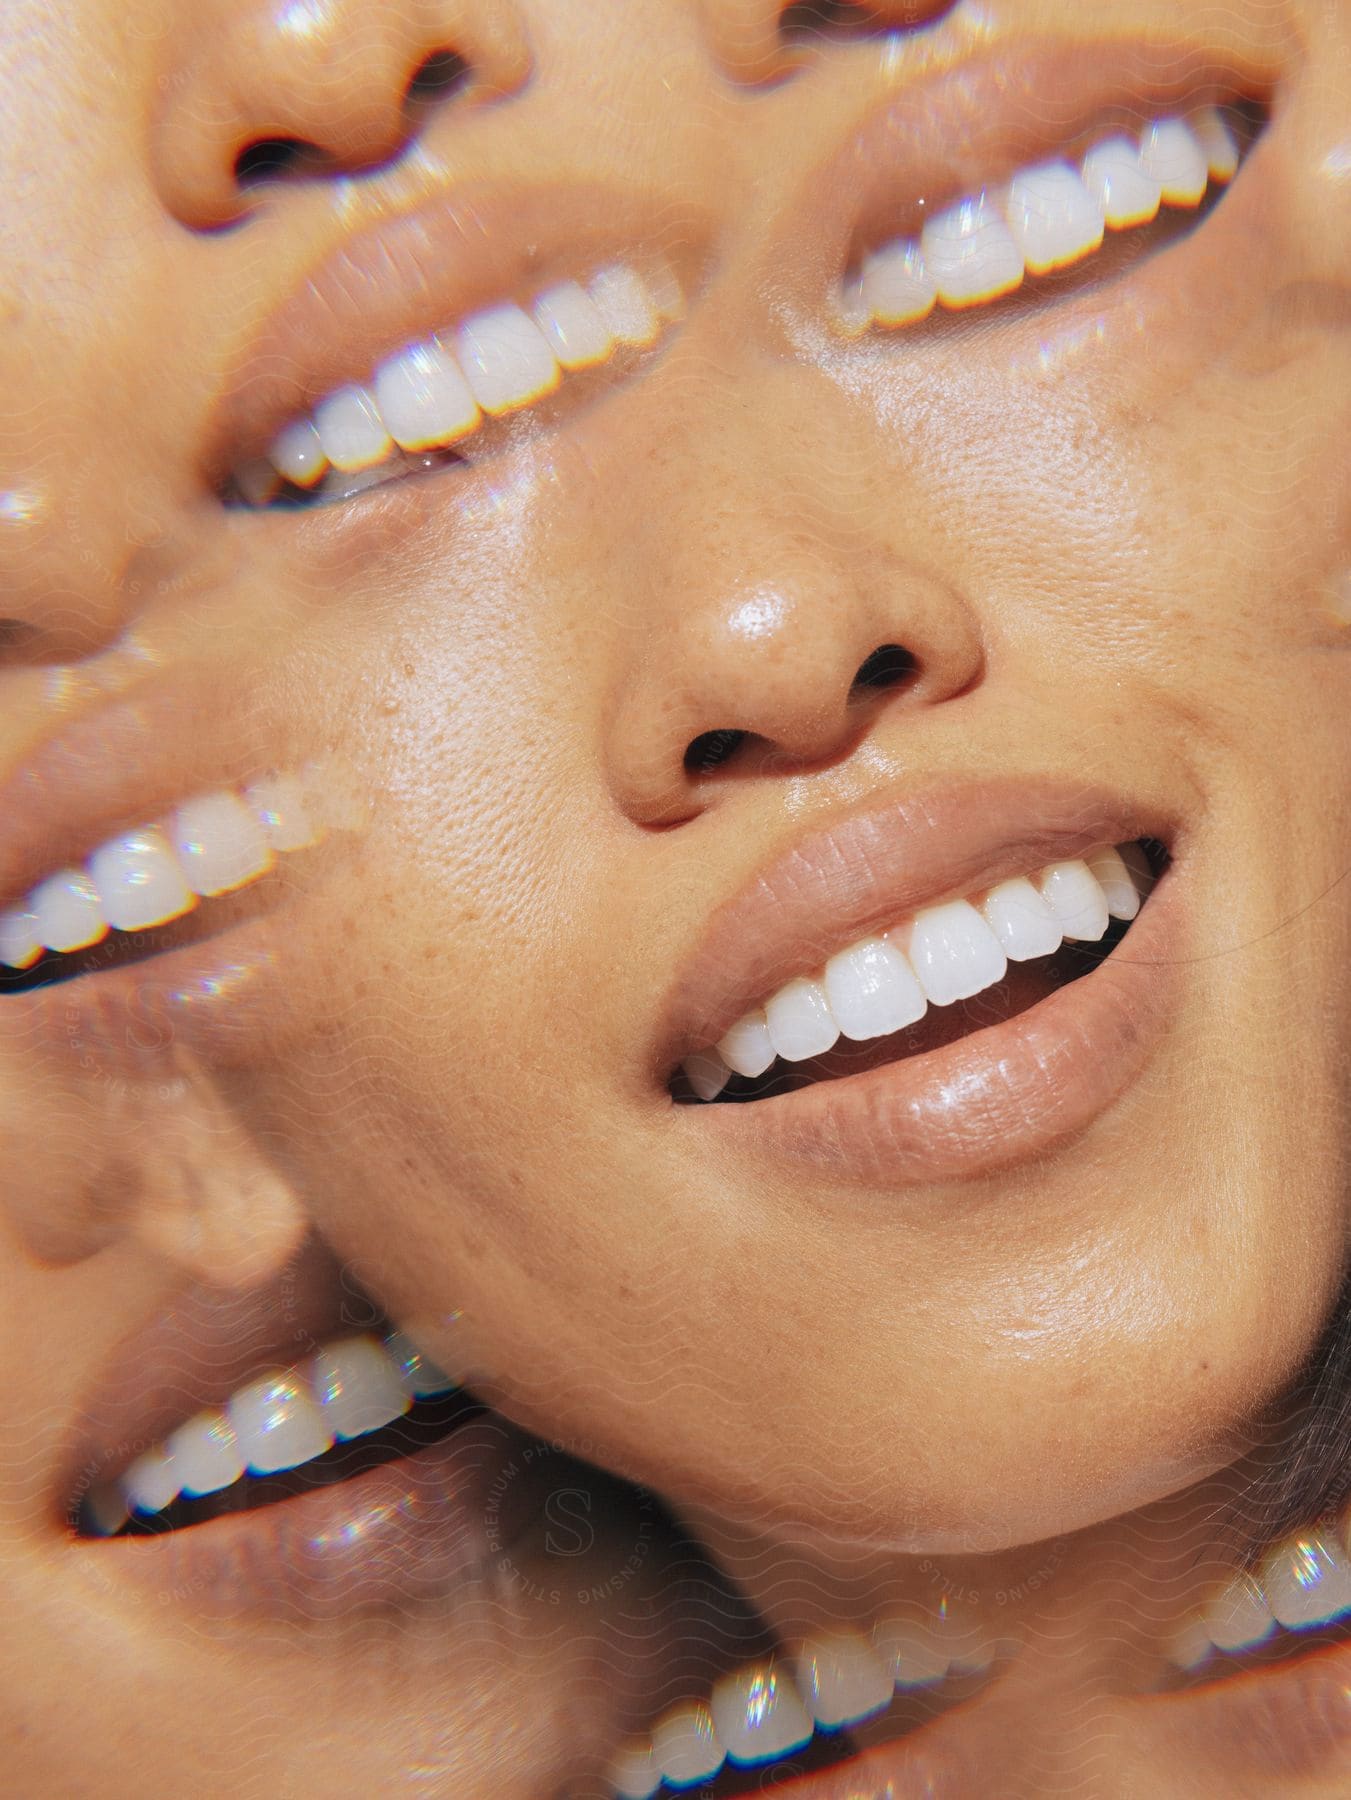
(1023, 1351)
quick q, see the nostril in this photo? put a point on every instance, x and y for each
(268, 159)
(887, 667)
(711, 748)
(802, 21)
(436, 78)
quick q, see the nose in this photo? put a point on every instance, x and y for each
(333, 85)
(774, 619)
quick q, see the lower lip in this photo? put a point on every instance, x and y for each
(993, 1099)
(419, 1532)
(129, 1021)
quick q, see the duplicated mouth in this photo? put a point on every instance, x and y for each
(320, 1422)
(1062, 921)
(1047, 217)
(917, 1659)
(214, 844)
(444, 390)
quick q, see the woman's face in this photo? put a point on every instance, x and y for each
(611, 753)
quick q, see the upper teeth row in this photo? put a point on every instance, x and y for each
(349, 1387)
(1048, 216)
(211, 845)
(769, 1709)
(436, 391)
(944, 953)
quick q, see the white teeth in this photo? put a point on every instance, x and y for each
(297, 453)
(424, 398)
(708, 1073)
(205, 1454)
(278, 1424)
(1114, 878)
(664, 286)
(416, 1371)
(351, 430)
(20, 941)
(896, 286)
(685, 1744)
(842, 1679)
(1307, 1580)
(107, 1509)
(959, 1631)
(357, 1387)
(943, 954)
(1048, 216)
(350, 1387)
(66, 908)
(1238, 1616)
(151, 1483)
(800, 1021)
(435, 392)
(633, 1773)
(1077, 903)
(147, 877)
(220, 843)
(748, 1048)
(954, 953)
(139, 881)
(911, 1650)
(872, 990)
(1217, 141)
(970, 253)
(279, 805)
(758, 1714)
(623, 302)
(573, 326)
(1113, 176)
(258, 480)
(1170, 153)
(1189, 1645)
(1053, 218)
(1021, 920)
(505, 359)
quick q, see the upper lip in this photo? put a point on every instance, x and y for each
(198, 1353)
(129, 762)
(423, 270)
(867, 871)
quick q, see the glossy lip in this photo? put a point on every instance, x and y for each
(137, 1022)
(1291, 1723)
(417, 1530)
(993, 1099)
(424, 271)
(124, 765)
(975, 122)
(413, 1530)
(870, 870)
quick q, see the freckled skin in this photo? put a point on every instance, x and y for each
(1107, 551)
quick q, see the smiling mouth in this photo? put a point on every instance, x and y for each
(941, 975)
(356, 1404)
(442, 399)
(174, 881)
(1119, 190)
